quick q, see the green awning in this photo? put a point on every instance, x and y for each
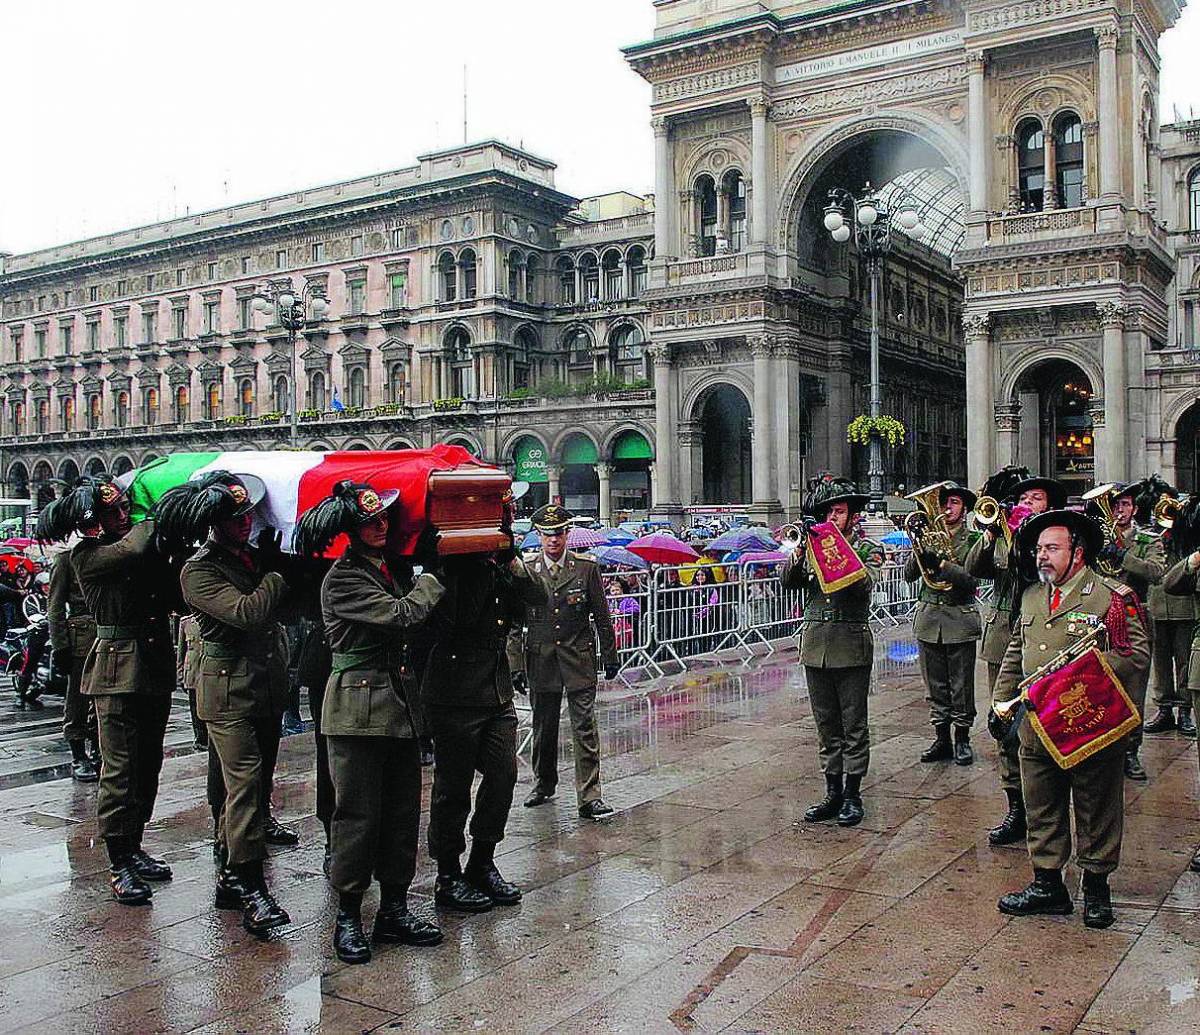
(530, 457)
(632, 446)
(579, 450)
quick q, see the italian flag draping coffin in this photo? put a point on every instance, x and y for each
(445, 484)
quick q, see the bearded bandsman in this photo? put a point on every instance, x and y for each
(241, 678)
(130, 589)
(836, 646)
(1071, 752)
(991, 557)
(371, 712)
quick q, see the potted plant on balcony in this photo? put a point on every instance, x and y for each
(446, 405)
(271, 418)
(889, 430)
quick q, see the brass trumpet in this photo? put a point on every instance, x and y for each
(926, 527)
(791, 538)
(990, 515)
(1167, 510)
(1102, 496)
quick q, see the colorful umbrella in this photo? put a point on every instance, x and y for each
(618, 537)
(662, 548)
(896, 538)
(614, 556)
(585, 538)
(688, 571)
(763, 557)
(744, 539)
(531, 541)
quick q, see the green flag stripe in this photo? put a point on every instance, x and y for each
(157, 477)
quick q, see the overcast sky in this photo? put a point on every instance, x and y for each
(125, 112)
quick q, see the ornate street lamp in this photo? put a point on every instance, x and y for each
(292, 312)
(870, 222)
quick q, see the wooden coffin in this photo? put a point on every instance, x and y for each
(466, 506)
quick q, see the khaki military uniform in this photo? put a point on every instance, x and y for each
(946, 625)
(1182, 581)
(837, 651)
(241, 685)
(1095, 788)
(371, 715)
(129, 671)
(468, 694)
(990, 559)
(72, 629)
(1144, 566)
(1174, 617)
(558, 653)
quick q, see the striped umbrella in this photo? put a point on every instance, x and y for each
(585, 538)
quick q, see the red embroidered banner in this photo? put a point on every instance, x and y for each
(832, 558)
(1080, 709)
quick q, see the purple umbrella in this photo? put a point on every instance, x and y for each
(612, 556)
(744, 539)
(585, 538)
(618, 537)
(763, 557)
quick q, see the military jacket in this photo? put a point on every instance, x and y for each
(187, 652)
(558, 649)
(989, 559)
(1039, 635)
(72, 626)
(371, 690)
(242, 669)
(836, 632)
(128, 587)
(1163, 605)
(951, 615)
(468, 662)
(1145, 562)
(1181, 581)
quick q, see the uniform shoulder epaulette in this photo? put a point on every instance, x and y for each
(1145, 535)
(583, 557)
(1113, 586)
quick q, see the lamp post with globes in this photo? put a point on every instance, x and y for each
(292, 311)
(870, 222)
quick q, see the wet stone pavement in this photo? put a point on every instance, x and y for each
(703, 905)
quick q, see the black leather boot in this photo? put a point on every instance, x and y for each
(394, 923)
(260, 912)
(128, 888)
(150, 868)
(1187, 725)
(229, 890)
(1163, 721)
(1097, 901)
(451, 891)
(828, 806)
(1046, 896)
(349, 942)
(1133, 766)
(83, 769)
(482, 875)
(941, 749)
(1012, 826)
(851, 812)
(963, 755)
(275, 833)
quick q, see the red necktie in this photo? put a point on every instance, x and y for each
(383, 568)
(1056, 599)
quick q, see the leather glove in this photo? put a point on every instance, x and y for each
(930, 561)
(520, 683)
(270, 550)
(1113, 553)
(425, 553)
(996, 726)
(610, 671)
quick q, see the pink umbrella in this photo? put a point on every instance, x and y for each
(762, 557)
(586, 538)
(662, 548)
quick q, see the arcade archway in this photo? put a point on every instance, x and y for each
(1054, 433)
(529, 459)
(1187, 450)
(723, 414)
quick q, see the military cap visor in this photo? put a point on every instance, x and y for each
(1056, 492)
(246, 491)
(370, 503)
(962, 492)
(551, 518)
(1079, 524)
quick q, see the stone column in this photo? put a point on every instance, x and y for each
(553, 473)
(1006, 148)
(1050, 191)
(977, 131)
(689, 464)
(664, 439)
(664, 188)
(604, 474)
(722, 220)
(1100, 442)
(652, 468)
(979, 397)
(1008, 433)
(689, 210)
(1116, 410)
(762, 347)
(760, 187)
(1108, 113)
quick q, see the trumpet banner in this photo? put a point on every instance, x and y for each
(832, 558)
(1080, 709)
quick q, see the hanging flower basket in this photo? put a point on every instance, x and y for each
(889, 429)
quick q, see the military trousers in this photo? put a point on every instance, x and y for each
(1137, 686)
(377, 815)
(581, 707)
(79, 714)
(839, 706)
(325, 792)
(1007, 749)
(949, 672)
(1172, 648)
(1094, 790)
(467, 741)
(245, 750)
(131, 729)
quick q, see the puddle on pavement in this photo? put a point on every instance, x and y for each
(35, 864)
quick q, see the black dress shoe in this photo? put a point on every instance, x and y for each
(595, 810)
(1046, 896)
(851, 812)
(260, 912)
(349, 942)
(275, 833)
(829, 806)
(84, 770)
(941, 750)
(455, 893)
(149, 868)
(128, 888)
(1163, 722)
(1133, 767)
(399, 925)
(489, 882)
(229, 890)
(1187, 725)
(1097, 902)
(538, 797)
(1011, 828)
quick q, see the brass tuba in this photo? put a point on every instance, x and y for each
(1102, 497)
(1167, 509)
(926, 527)
(990, 515)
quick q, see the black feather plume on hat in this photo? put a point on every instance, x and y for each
(185, 513)
(1000, 485)
(321, 525)
(1151, 491)
(74, 510)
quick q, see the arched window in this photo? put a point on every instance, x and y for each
(1194, 201)
(1031, 165)
(458, 345)
(515, 263)
(533, 270)
(589, 278)
(523, 348)
(358, 387)
(67, 413)
(95, 413)
(706, 200)
(281, 394)
(396, 384)
(183, 405)
(735, 192)
(213, 402)
(1068, 160)
(150, 407)
(467, 266)
(614, 276)
(316, 391)
(565, 271)
(447, 277)
(578, 346)
(637, 270)
(122, 409)
(458, 355)
(246, 397)
(626, 353)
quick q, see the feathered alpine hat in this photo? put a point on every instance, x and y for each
(349, 506)
(826, 490)
(1001, 486)
(78, 508)
(185, 513)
